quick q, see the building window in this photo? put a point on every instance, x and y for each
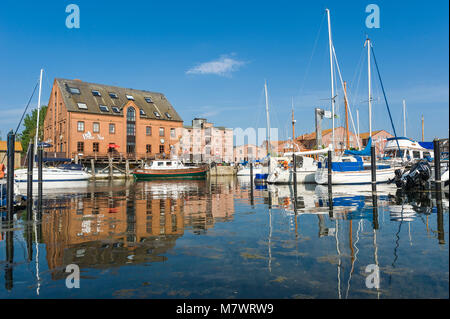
(96, 127)
(112, 128)
(96, 93)
(131, 114)
(157, 114)
(74, 90)
(130, 97)
(80, 147)
(131, 129)
(95, 147)
(161, 131)
(80, 126)
(104, 108)
(148, 148)
(82, 106)
(148, 100)
(161, 149)
(142, 112)
(148, 130)
(172, 133)
(115, 109)
(113, 95)
(168, 115)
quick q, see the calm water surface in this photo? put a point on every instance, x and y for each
(220, 239)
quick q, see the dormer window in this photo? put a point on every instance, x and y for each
(104, 108)
(74, 90)
(156, 114)
(168, 115)
(113, 95)
(82, 106)
(96, 93)
(115, 109)
(148, 100)
(130, 97)
(142, 112)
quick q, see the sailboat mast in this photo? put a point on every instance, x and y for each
(331, 71)
(268, 119)
(370, 87)
(404, 118)
(293, 127)
(346, 116)
(36, 138)
(357, 122)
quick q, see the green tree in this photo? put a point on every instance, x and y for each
(29, 127)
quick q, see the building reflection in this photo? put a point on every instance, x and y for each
(136, 224)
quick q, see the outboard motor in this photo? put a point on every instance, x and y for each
(417, 176)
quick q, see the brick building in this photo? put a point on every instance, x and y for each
(87, 119)
(378, 140)
(248, 152)
(204, 142)
(17, 153)
(309, 140)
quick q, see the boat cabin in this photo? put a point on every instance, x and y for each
(409, 150)
(165, 164)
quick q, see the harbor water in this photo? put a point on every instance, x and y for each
(218, 238)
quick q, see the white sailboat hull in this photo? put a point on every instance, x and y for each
(286, 176)
(353, 177)
(246, 171)
(52, 175)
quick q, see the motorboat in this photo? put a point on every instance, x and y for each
(168, 169)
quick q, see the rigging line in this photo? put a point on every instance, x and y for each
(385, 99)
(312, 55)
(346, 96)
(26, 108)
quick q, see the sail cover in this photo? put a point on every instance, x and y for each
(364, 152)
(427, 145)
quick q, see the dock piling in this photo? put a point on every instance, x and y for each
(93, 167)
(40, 155)
(373, 168)
(437, 164)
(329, 159)
(10, 178)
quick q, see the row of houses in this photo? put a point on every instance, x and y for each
(309, 142)
(86, 120)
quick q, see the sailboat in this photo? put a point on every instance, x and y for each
(350, 168)
(50, 175)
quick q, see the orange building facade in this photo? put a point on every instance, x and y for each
(90, 120)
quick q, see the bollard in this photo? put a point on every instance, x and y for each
(437, 165)
(373, 168)
(329, 170)
(10, 177)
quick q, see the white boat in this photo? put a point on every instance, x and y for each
(52, 174)
(306, 169)
(405, 150)
(351, 170)
(245, 171)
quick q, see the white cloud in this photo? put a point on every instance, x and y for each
(223, 66)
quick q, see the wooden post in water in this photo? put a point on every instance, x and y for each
(110, 166)
(30, 162)
(40, 154)
(329, 159)
(373, 168)
(251, 185)
(375, 211)
(294, 178)
(127, 168)
(10, 176)
(437, 165)
(93, 167)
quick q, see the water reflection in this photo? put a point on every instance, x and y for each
(222, 238)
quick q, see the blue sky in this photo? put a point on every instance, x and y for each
(210, 58)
